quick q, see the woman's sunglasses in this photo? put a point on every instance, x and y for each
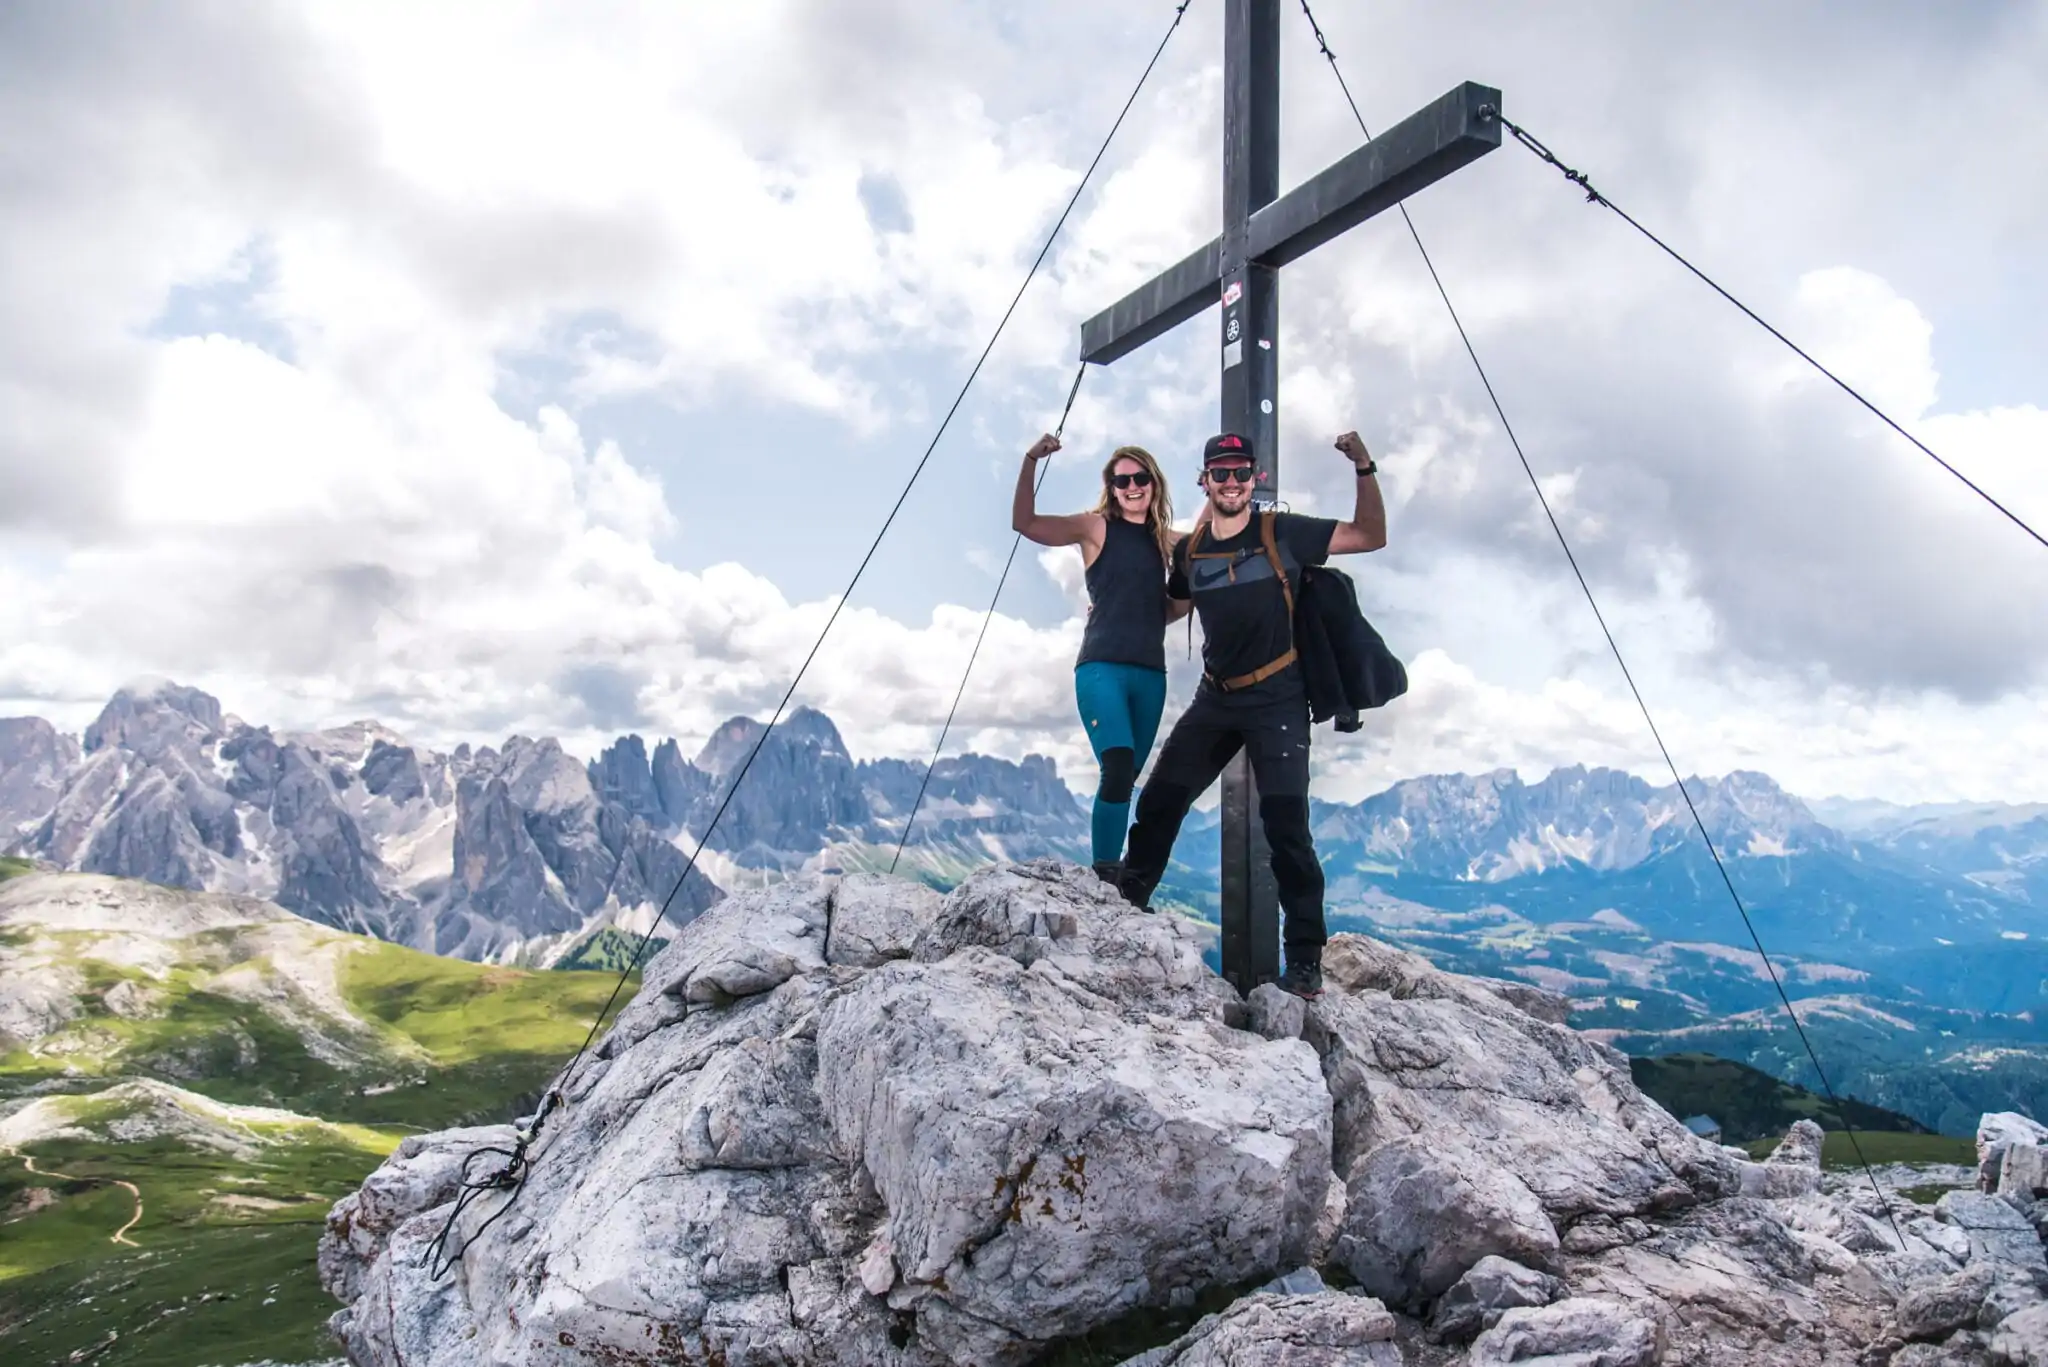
(1227, 474)
(1137, 477)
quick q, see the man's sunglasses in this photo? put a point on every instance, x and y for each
(1137, 477)
(1229, 474)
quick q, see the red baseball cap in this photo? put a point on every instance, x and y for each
(1226, 446)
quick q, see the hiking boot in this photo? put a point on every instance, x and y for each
(1111, 871)
(1303, 980)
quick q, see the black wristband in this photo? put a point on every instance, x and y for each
(1371, 467)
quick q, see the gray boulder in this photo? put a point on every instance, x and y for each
(2023, 1175)
(2022, 1341)
(1275, 1012)
(1581, 1332)
(1493, 1287)
(958, 1156)
(423, 1173)
(1932, 1312)
(1962, 1350)
(1793, 1169)
(1421, 1212)
(1998, 1131)
(1285, 1331)
(1465, 1126)
(2010, 1295)
(1997, 1232)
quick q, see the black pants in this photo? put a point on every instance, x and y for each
(1274, 733)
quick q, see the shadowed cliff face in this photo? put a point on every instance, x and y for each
(804, 794)
(848, 1121)
(35, 759)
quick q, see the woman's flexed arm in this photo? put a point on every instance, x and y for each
(1074, 529)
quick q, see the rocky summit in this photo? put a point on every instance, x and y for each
(850, 1121)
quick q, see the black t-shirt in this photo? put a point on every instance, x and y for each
(1240, 601)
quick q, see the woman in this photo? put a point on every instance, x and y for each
(1120, 677)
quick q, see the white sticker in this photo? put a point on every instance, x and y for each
(1265, 405)
(1232, 292)
(1265, 344)
(1233, 354)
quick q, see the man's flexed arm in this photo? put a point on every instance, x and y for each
(1367, 529)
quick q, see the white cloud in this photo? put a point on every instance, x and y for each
(668, 200)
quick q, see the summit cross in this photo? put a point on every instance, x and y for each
(1263, 230)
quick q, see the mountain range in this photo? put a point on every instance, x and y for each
(510, 853)
(1914, 939)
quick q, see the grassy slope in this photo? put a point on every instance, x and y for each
(1749, 1104)
(464, 1042)
(467, 1043)
(495, 1035)
(1879, 1147)
(223, 1267)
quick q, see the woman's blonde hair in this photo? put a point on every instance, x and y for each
(1159, 517)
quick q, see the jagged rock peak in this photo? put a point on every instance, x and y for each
(863, 1124)
(35, 759)
(148, 715)
(730, 744)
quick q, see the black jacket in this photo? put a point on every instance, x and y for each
(1347, 667)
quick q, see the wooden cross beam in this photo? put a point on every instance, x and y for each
(1263, 231)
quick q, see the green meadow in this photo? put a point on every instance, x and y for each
(220, 1268)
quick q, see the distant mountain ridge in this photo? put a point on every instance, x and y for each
(1493, 827)
(512, 853)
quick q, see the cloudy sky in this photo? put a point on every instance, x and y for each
(547, 367)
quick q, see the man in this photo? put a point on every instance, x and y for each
(1252, 696)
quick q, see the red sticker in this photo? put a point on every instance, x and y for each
(1232, 292)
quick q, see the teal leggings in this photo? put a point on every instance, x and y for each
(1120, 706)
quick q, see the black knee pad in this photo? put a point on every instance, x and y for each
(1119, 774)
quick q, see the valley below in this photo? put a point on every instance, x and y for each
(191, 1080)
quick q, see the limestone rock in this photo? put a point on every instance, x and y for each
(1800, 1147)
(1302, 1281)
(2010, 1295)
(1997, 1232)
(1276, 1013)
(847, 1123)
(422, 1173)
(876, 919)
(1422, 1211)
(1410, 1051)
(1285, 1331)
(2024, 1173)
(1581, 1332)
(1962, 1350)
(1947, 1240)
(2022, 1341)
(1023, 1121)
(1933, 1312)
(1480, 1297)
(1792, 1170)
(1063, 914)
(1996, 1132)
(1046, 1169)
(1779, 1181)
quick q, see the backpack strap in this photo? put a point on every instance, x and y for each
(1267, 522)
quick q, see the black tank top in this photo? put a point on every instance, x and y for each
(1126, 600)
